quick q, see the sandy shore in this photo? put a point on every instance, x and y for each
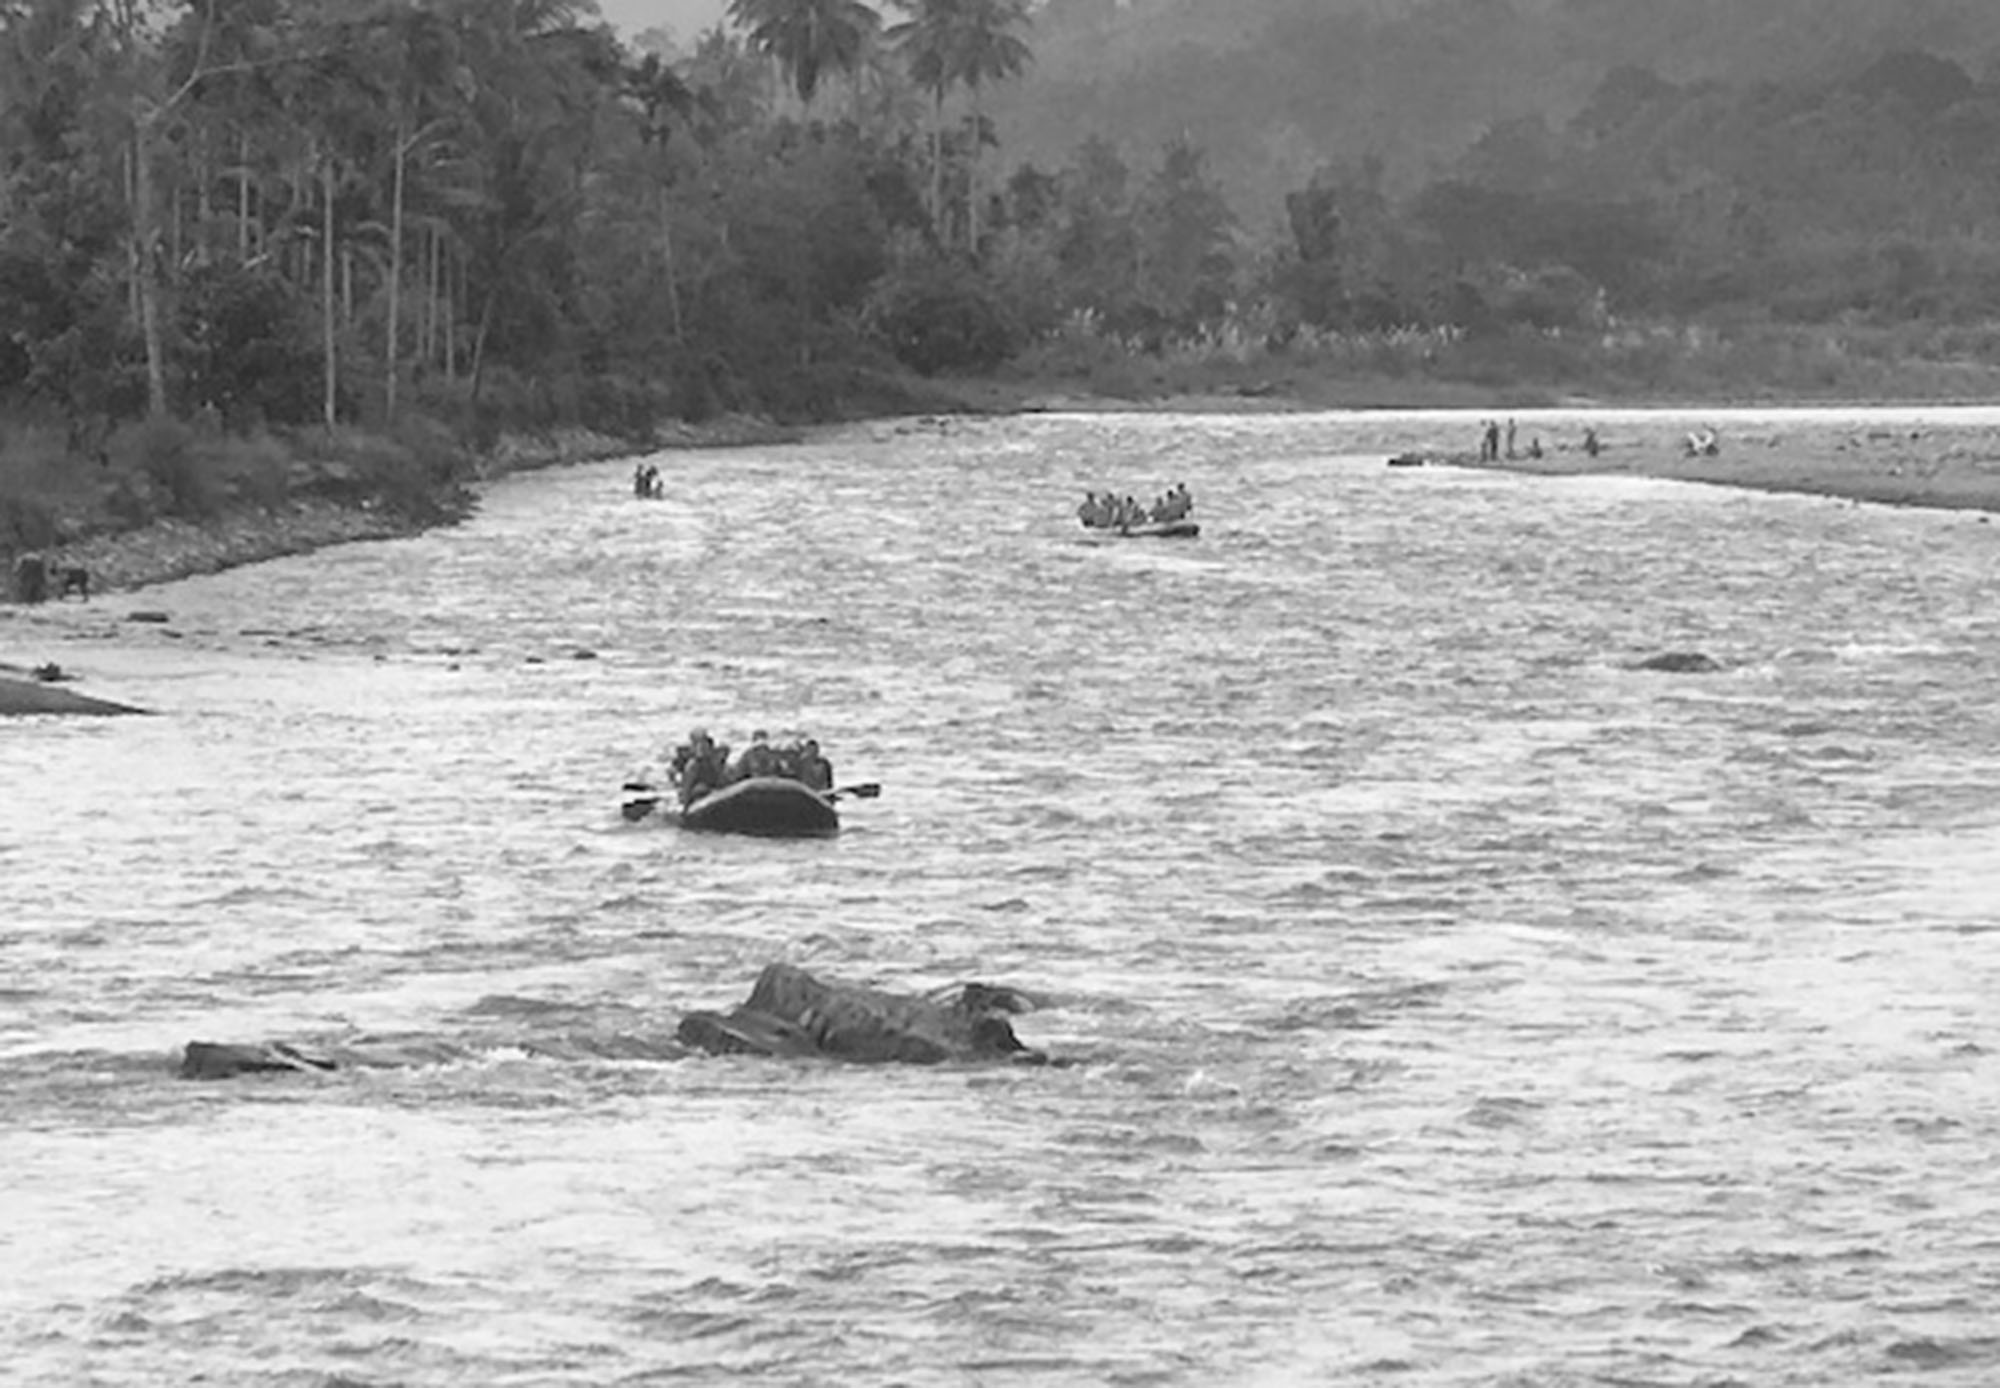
(1888, 454)
(1943, 465)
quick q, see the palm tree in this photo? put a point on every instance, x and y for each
(968, 43)
(808, 38)
(665, 102)
(526, 141)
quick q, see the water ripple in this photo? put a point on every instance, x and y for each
(1455, 1002)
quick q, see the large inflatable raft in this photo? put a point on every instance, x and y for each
(770, 807)
(1164, 530)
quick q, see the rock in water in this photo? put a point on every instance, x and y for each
(227, 1060)
(215, 1060)
(1680, 663)
(789, 1013)
(792, 1013)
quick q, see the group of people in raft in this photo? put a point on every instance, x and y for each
(1109, 511)
(701, 764)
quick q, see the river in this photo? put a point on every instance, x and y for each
(1449, 1002)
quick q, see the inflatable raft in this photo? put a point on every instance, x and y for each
(1164, 530)
(768, 807)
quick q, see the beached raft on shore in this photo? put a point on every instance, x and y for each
(42, 695)
(768, 807)
(1160, 530)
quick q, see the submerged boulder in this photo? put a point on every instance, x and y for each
(792, 1013)
(789, 1013)
(221, 1060)
(228, 1060)
(1680, 663)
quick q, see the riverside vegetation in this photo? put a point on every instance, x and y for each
(275, 274)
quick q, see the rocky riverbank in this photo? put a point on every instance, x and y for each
(170, 548)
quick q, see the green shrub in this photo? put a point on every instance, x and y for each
(26, 523)
(257, 469)
(411, 473)
(249, 349)
(941, 318)
(165, 452)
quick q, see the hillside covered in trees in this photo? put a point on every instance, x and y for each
(1802, 157)
(465, 216)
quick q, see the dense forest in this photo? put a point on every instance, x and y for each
(1801, 159)
(260, 214)
(275, 211)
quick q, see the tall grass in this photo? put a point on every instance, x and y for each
(1618, 361)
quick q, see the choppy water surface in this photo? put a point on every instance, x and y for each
(1453, 1003)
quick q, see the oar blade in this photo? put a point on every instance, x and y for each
(640, 800)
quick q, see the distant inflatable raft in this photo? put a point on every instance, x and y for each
(1163, 530)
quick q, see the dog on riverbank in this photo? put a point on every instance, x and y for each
(70, 578)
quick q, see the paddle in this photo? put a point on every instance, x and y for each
(640, 800)
(867, 790)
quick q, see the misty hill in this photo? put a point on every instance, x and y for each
(1274, 90)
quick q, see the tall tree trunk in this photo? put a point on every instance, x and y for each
(242, 198)
(395, 277)
(331, 378)
(204, 201)
(479, 343)
(427, 334)
(131, 192)
(452, 298)
(937, 166)
(177, 228)
(972, 170)
(145, 270)
(667, 256)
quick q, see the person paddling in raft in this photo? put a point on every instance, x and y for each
(815, 770)
(699, 766)
(760, 758)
